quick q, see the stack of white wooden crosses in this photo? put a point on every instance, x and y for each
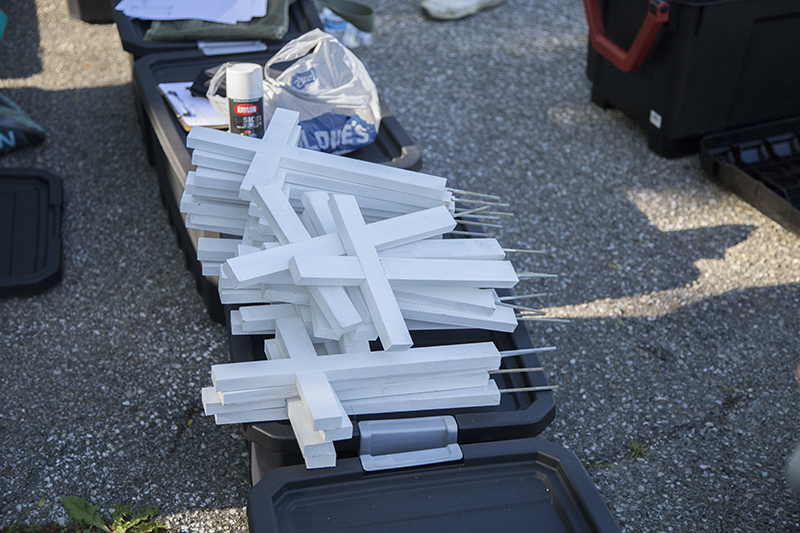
(332, 253)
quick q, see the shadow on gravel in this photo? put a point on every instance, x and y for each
(82, 126)
(699, 405)
(723, 362)
(628, 256)
(19, 48)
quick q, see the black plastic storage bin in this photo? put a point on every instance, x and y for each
(303, 17)
(165, 142)
(524, 485)
(761, 164)
(31, 206)
(715, 65)
(520, 414)
(93, 11)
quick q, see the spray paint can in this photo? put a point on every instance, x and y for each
(243, 85)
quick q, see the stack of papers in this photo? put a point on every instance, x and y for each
(228, 12)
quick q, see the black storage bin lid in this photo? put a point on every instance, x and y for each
(30, 239)
(525, 485)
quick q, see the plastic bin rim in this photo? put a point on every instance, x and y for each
(702, 3)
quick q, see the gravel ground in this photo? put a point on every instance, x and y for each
(674, 373)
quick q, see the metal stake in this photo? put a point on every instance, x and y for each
(471, 193)
(532, 389)
(531, 310)
(482, 224)
(470, 211)
(522, 251)
(517, 370)
(470, 233)
(541, 319)
(522, 296)
(499, 213)
(525, 351)
(530, 275)
(482, 202)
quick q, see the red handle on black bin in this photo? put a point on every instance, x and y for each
(632, 59)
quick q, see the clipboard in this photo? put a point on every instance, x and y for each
(191, 110)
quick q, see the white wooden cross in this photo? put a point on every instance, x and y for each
(333, 301)
(265, 266)
(309, 389)
(315, 168)
(351, 251)
(320, 262)
(219, 190)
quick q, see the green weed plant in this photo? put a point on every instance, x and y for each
(122, 521)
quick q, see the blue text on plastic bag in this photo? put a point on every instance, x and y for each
(336, 133)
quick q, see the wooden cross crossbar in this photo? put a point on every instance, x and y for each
(217, 193)
(207, 184)
(333, 301)
(280, 141)
(261, 267)
(446, 372)
(322, 270)
(359, 388)
(378, 294)
(422, 360)
(312, 162)
(443, 397)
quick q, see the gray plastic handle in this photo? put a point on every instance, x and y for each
(407, 442)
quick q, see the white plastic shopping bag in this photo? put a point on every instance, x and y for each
(327, 84)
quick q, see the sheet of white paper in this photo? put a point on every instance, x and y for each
(259, 8)
(229, 12)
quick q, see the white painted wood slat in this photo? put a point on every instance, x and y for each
(422, 360)
(377, 292)
(262, 266)
(488, 395)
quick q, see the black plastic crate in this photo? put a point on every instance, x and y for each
(31, 206)
(303, 17)
(525, 485)
(715, 65)
(92, 11)
(761, 164)
(520, 414)
(165, 142)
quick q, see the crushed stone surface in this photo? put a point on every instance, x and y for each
(675, 370)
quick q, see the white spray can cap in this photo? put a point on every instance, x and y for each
(243, 81)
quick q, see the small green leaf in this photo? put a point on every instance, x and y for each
(147, 527)
(637, 450)
(41, 503)
(83, 513)
(121, 512)
(146, 513)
